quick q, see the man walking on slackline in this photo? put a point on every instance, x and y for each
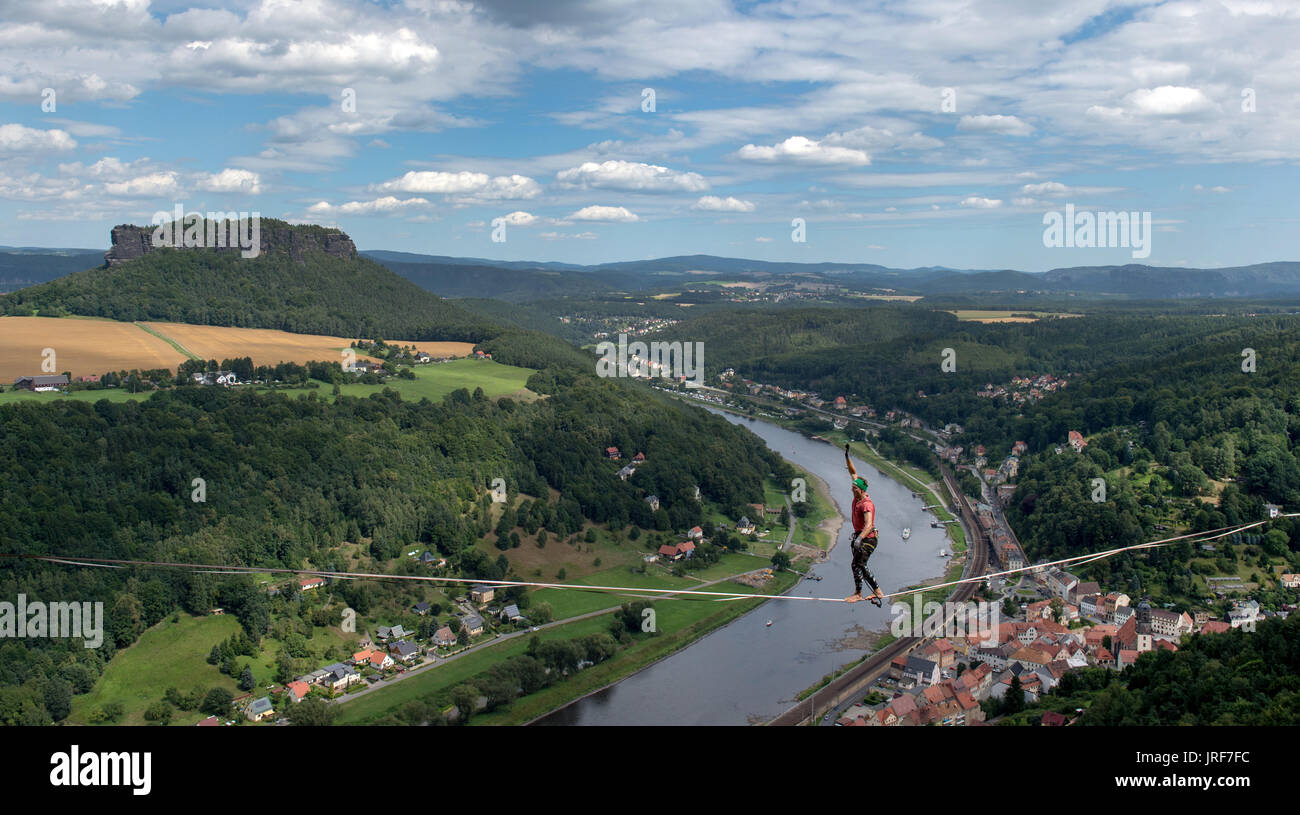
(864, 539)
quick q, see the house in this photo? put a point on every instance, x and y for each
(379, 660)
(422, 357)
(696, 533)
(653, 501)
(1216, 627)
(1273, 510)
(428, 558)
(472, 624)
(1052, 719)
(482, 594)
(744, 526)
(53, 382)
(1246, 614)
(444, 637)
(260, 709)
(511, 613)
(612, 453)
(670, 552)
(686, 549)
(626, 473)
(638, 458)
(405, 651)
(1077, 441)
(394, 633)
(298, 690)
(310, 583)
(89, 379)
(1290, 581)
(421, 608)
(211, 721)
(226, 378)
(923, 671)
(1061, 583)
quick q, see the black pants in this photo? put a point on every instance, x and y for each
(862, 549)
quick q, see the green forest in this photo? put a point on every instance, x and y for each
(321, 294)
(289, 481)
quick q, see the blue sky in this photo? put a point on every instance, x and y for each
(933, 132)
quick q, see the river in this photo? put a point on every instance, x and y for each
(748, 672)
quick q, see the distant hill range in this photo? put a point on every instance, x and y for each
(524, 281)
(520, 281)
(307, 279)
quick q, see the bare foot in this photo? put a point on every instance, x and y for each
(878, 595)
(856, 597)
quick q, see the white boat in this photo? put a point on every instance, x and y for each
(769, 623)
(907, 532)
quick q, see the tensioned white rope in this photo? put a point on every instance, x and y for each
(212, 568)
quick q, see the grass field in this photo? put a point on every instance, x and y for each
(167, 655)
(437, 380)
(431, 381)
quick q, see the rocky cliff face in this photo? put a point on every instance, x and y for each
(131, 242)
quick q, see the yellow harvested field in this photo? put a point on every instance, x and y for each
(268, 346)
(80, 346)
(981, 316)
(89, 346)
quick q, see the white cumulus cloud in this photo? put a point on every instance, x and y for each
(803, 150)
(712, 203)
(631, 175)
(608, 214)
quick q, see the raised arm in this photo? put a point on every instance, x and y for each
(853, 471)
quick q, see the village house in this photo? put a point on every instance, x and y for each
(404, 651)
(310, 583)
(1077, 441)
(612, 453)
(297, 690)
(511, 613)
(744, 526)
(444, 637)
(472, 624)
(260, 709)
(653, 501)
(385, 633)
(52, 382)
(482, 594)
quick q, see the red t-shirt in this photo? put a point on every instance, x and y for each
(860, 510)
